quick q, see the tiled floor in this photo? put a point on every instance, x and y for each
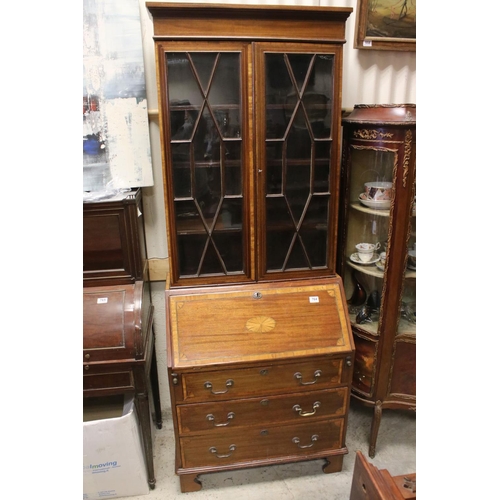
(396, 452)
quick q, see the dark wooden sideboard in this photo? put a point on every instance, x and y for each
(119, 355)
(114, 241)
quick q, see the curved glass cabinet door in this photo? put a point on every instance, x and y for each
(408, 319)
(370, 196)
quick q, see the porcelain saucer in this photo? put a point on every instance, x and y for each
(355, 258)
(375, 204)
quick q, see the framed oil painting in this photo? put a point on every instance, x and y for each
(386, 25)
(116, 143)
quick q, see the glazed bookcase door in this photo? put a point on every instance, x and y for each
(207, 142)
(297, 130)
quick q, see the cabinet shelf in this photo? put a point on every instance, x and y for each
(374, 271)
(372, 211)
(195, 226)
(407, 330)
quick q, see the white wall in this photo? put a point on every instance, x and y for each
(370, 77)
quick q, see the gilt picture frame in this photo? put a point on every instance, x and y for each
(386, 25)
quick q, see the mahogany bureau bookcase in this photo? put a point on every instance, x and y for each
(118, 339)
(260, 348)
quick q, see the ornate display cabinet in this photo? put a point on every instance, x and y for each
(249, 113)
(379, 150)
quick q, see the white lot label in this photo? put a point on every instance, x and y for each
(102, 300)
(313, 300)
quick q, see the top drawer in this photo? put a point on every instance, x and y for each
(321, 373)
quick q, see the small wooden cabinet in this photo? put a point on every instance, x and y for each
(259, 374)
(379, 143)
(119, 352)
(114, 242)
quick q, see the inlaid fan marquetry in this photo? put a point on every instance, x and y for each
(261, 324)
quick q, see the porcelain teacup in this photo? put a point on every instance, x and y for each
(366, 250)
(383, 256)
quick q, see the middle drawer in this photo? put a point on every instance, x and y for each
(297, 407)
(218, 385)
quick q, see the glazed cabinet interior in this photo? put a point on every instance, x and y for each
(379, 208)
(260, 354)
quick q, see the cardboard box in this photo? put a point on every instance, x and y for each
(113, 456)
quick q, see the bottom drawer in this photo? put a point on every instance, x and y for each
(262, 444)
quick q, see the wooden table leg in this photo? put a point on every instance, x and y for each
(155, 388)
(142, 404)
(377, 416)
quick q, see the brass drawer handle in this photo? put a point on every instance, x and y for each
(229, 384)
(230, 416)
(317, 374)
(214, 451)
(303, 413)
(314, 438)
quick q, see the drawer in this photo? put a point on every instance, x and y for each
(291, 408)
(262, 444)
(364, 365)
(323, 373)
(123, 380)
